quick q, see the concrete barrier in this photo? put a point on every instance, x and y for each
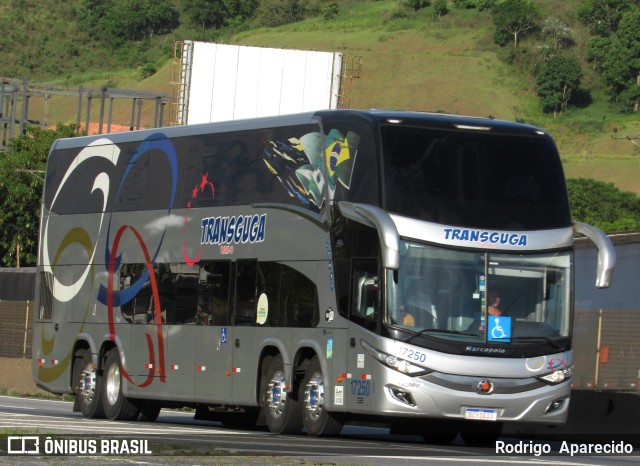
(15, 376)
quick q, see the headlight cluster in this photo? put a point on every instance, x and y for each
(401, 365)
(557, 376)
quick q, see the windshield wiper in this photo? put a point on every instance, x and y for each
(438, 330)
(547, 339)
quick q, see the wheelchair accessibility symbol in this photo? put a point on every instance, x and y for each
(499, 329)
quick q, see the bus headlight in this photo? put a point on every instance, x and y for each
(401, 365)
(557, 376)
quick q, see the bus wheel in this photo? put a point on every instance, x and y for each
(149, 412)
(480, 434)
(281, 409)
(87, 385)
(116, 405)
(316, 420)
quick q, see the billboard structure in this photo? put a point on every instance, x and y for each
(219, 82)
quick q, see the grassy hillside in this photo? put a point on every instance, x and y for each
(410, 62)
(452, 65)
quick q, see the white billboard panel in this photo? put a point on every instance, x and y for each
(225, 61)
(293, 70)
(231, 82)
(200, 86)
(270, 82)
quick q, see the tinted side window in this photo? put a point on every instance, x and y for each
(365, 302)
(246, 292)
(299, 299)
(213, 293)
(45, 312)
(136, 296)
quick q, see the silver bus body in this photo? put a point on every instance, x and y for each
(255, 270)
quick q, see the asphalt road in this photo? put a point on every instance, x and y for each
(176, 438)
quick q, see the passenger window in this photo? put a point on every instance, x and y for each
(178, 289)
(299, 299)
(46, 296)
(246, 292)
(135, 293)
(213, 293)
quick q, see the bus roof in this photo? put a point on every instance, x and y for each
(375, 116)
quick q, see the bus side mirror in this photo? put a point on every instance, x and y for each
(606, 252)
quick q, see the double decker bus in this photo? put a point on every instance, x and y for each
(309, 270)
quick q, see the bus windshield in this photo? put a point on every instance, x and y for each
(481, 297)
(474, 179)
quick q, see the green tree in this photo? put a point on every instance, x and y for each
(514, 18)
(278, 12)
(219, 13)
(558, 80)
(603, 16)
(597, 50)
(621, 66)
(440, 8)
(415, 5)
(485, 4)
(603, 205)
(118, 21)
(21, 183)
(206, 13)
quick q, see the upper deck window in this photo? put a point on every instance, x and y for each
(474, 179)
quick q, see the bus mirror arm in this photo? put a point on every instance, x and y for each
(387, 232)
(606, 252)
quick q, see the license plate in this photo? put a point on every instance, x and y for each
(480, 414)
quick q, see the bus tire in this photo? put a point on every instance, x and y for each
(87, 385)
(116, 405)
(281, 409)
(315, 418)
(480, 433)
(149, 412)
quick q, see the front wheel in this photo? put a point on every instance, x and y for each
(116, 405)
(87, 385)
(281, 409)
(316, 419)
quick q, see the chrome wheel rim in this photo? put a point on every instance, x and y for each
(87, 385)
(113, 384)
(314, 396)
(277, 394)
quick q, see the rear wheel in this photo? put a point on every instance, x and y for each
(281, 409)
(87, 385)
(315, 418)
(116, 405)
(480, 434)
